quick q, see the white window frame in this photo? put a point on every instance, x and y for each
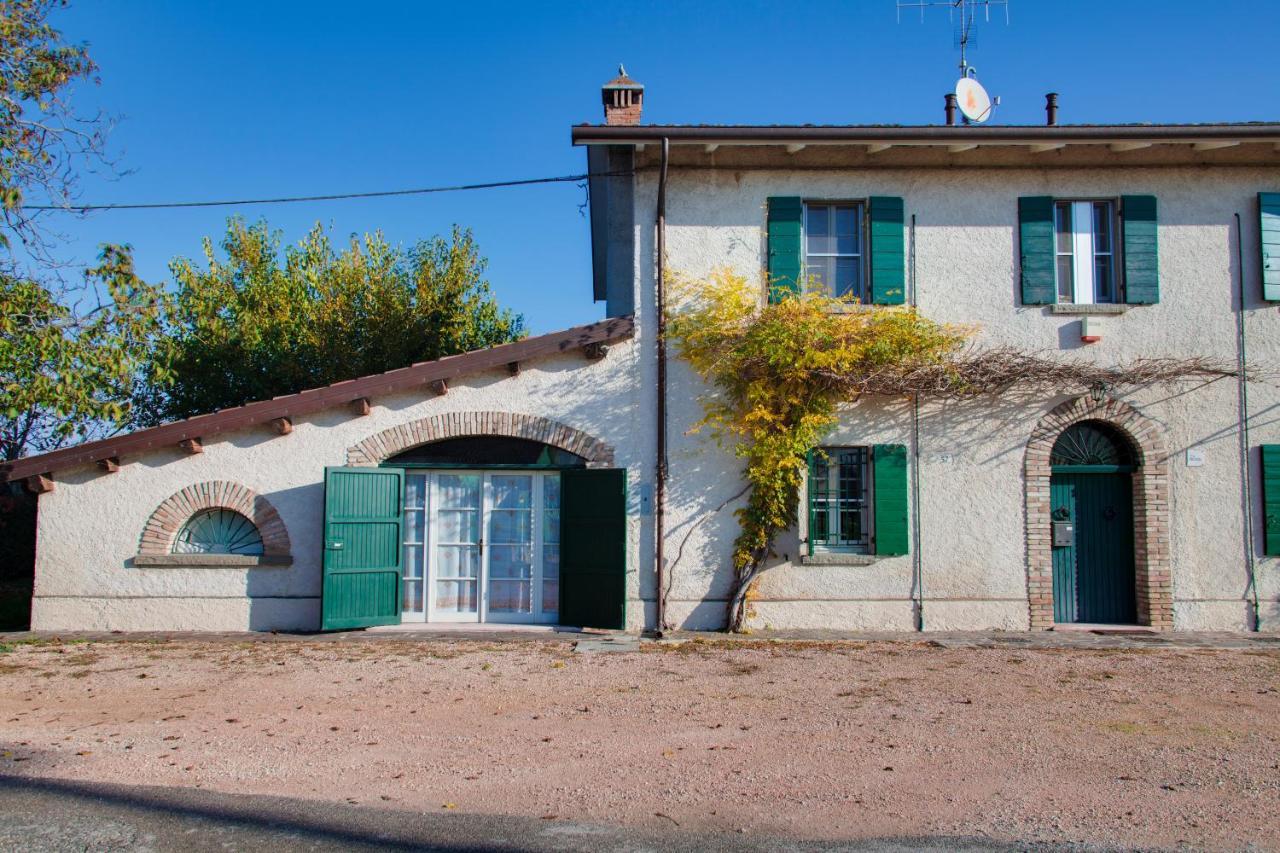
(430, 537)
(1083, 254)
(860, 258)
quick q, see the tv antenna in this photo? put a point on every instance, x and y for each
(974, 103)
(964, 15)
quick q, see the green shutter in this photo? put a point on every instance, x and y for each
(1271, 499)
(1141, 260)
(593, 547)
(785, 256)
(1269, 242)
(889, 475)
(888, 255)
(1035, 235)
(363, 511)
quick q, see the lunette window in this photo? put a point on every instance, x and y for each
(834, 249)
(1084, 233)
(840, 500)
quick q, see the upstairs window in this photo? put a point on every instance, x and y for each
(833, 249)
(1085, 251)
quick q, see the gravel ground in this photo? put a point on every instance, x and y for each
(821, 741)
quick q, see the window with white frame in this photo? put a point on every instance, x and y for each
(1084, 234)
(833, 249)
(840, 499)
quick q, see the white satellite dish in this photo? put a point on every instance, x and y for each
(974, 101)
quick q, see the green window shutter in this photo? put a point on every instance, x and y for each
(786, 257)
(888, 255)
(1269, 242)
(1035, 236)
(363, 511)
(593, 547)
(889, 475)
(1141, 260)
(1271, 499)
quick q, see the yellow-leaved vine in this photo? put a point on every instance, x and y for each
(780, 371)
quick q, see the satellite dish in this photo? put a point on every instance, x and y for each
(974, 101)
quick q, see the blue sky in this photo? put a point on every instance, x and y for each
(250, 99)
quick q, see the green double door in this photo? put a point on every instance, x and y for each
(363, 566)
(1093, 571)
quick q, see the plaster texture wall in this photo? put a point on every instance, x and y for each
(964, 253)
(90, 524)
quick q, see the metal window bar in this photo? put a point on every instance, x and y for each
(839, 499)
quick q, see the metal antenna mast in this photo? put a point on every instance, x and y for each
(963, 15)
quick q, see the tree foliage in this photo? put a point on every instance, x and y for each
(41, 139)
(259, 322)
(67, 374)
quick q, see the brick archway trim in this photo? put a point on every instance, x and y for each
(177, 509)
(1150, 508)
(389, 442)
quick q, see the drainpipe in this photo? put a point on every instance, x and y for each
(660, 486)
(917, 563)
(1242, 364)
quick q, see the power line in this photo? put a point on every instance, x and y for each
(82, 208)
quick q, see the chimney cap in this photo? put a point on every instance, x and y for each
(623, 81)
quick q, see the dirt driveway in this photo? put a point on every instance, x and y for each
(1133, 747)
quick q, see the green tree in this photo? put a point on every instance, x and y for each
(41, 139)
(261, 322)
(68, 374)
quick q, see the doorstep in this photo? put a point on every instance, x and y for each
(1096, 628)
(470, 628)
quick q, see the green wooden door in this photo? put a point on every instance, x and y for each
(593, 547)
(363, 511)
(1093, 578)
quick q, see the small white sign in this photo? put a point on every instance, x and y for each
(1195, 457)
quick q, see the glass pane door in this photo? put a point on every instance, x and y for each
(510, 545)
(415, 548)
(455, 564)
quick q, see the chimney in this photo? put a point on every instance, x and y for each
(1051, 108)
(951, 108)
(623, 99)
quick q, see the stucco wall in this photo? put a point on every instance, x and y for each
(972, 543)
(90, 524)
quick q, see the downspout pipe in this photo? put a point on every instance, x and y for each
(1242, 378)
(917, 562)
(660, 479)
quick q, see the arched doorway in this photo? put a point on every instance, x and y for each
(1143, 439)
(1092, 536)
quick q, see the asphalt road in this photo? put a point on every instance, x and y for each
(38, 815)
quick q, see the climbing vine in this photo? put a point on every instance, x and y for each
(782, 370)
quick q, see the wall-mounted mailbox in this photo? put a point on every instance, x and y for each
(1064, 534)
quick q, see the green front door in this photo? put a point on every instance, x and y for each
(363, 513)
(1093, 572)
(593, 547)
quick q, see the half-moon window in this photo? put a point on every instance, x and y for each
(1091, 443)
(218, 531)
(483, 451)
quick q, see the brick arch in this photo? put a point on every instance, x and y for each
(177, 509)
(389, 442)
(1150, 508)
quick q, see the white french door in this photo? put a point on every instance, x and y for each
(481, 546)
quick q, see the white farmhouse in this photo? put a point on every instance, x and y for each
(523, 484)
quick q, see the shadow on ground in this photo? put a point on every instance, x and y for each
(53, 815)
